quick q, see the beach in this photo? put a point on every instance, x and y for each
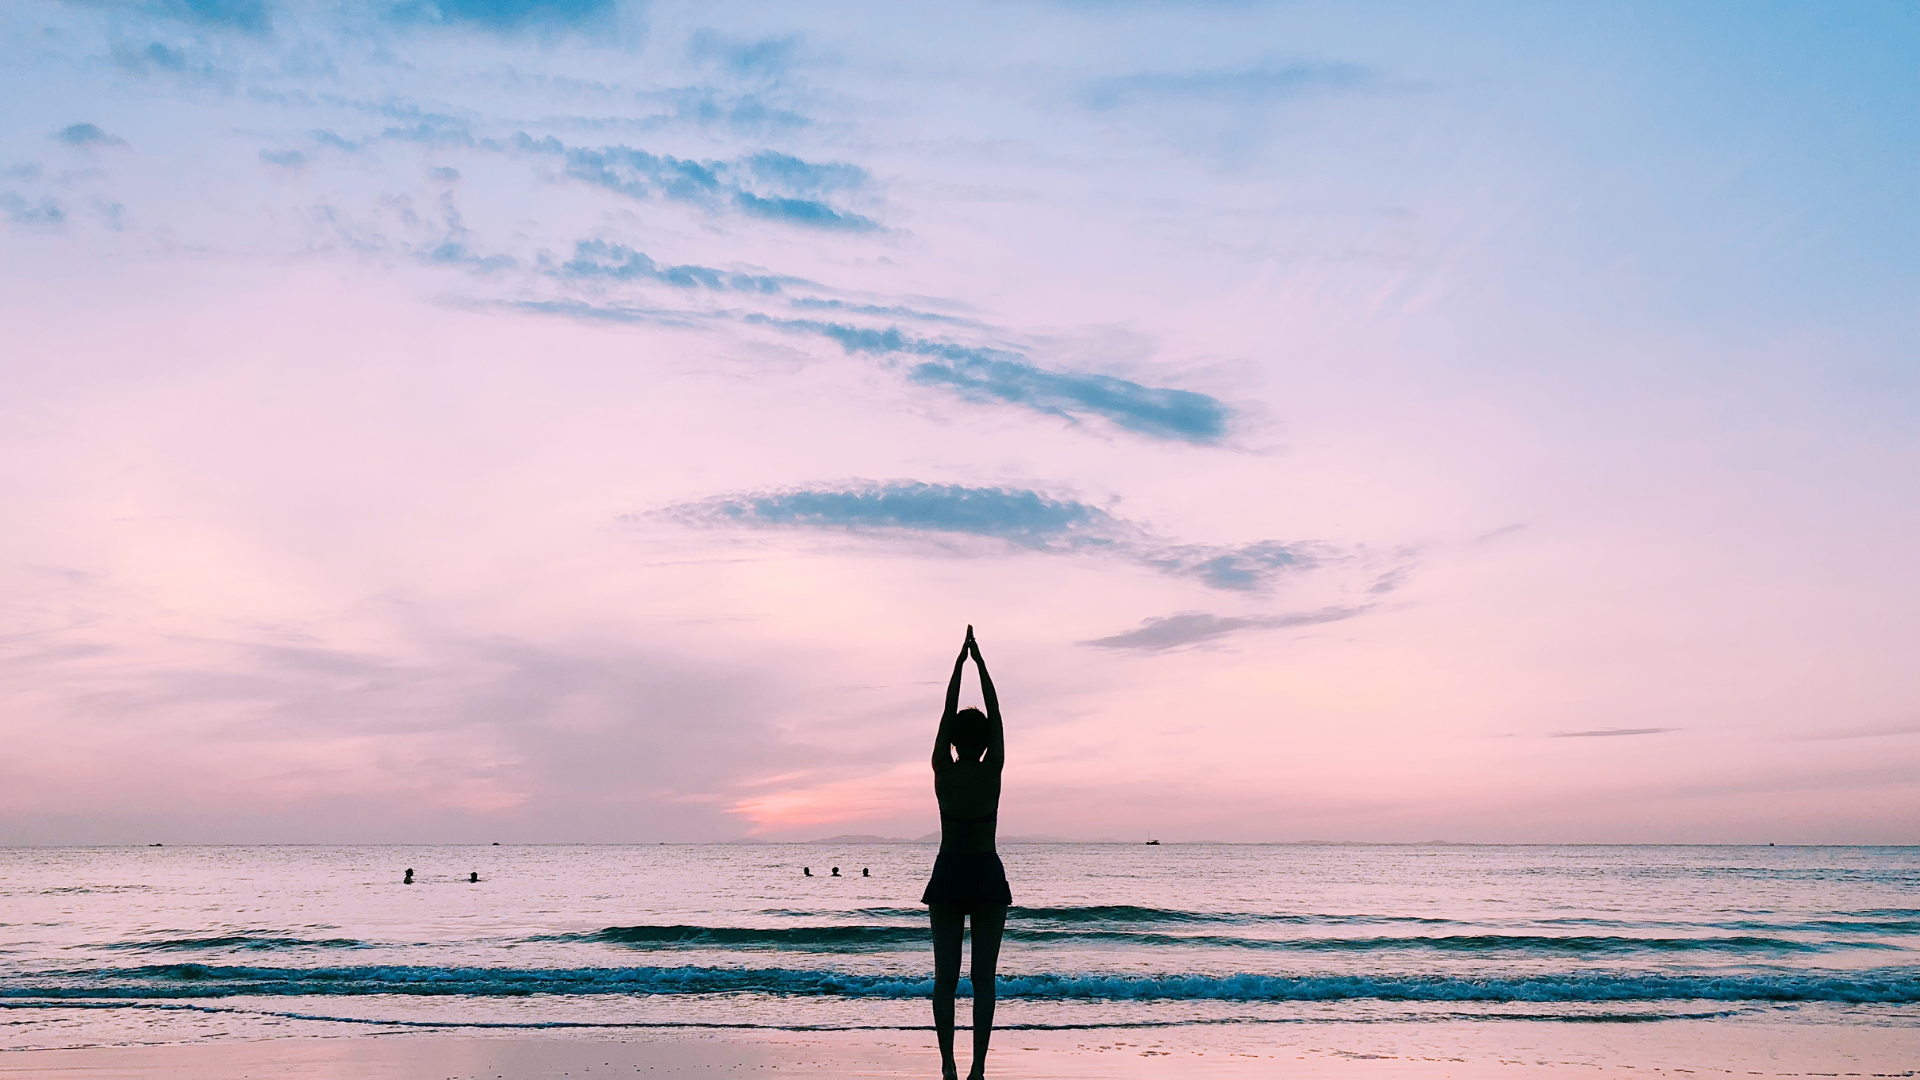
(1364, 1052)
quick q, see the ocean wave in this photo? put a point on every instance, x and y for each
(866, 938)
(1129, 913)
(1877, 920)
(836, 937)
(1641, 1015)
(175, 981)
(253, 941)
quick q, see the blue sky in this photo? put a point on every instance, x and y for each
(596, 420)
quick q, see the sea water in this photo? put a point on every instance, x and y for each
(106, 946)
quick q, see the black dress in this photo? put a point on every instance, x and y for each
(968, 878)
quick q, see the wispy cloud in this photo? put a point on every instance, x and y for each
(890, 311)
(175, 62)
(1601, 733)
(504, 15)
(790, 173)
(707, 107)
(766, 184)
(1021, 518)
(1266, 82)
(575, 309)
(454, 252)
(1192, 628)
(248, 15)
(617, 262)
(23, 211)
(743, 56)
(1000, 375)
(87, 135)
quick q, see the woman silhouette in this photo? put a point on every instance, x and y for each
(968, 880)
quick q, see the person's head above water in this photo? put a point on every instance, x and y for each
(971, 733)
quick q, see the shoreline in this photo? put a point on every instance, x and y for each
(1359, 1050)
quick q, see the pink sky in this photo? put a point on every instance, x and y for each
(1330, 437)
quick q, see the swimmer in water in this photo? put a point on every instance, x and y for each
(408, 880)
(969, 883)
(836, 871)
(473, 877)
(863, 872)
(807, 870)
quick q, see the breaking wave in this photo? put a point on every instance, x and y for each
(176, 981)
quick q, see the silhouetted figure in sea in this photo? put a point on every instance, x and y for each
(836, 871)
(863, 872)
(807, 870)
(473, 878)
(969, 884)
(408, 880)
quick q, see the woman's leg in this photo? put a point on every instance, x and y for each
(989, 922)
(949, 923)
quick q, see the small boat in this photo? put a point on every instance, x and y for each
(1153, 843)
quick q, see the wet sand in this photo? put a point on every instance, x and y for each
(1360, 1051)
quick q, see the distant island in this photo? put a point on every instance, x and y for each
(930, 838)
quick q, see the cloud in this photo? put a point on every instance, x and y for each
(504, 15)
(87, 135)
(766, 184)
(1390, 580)
(288, 159)
(328, 138)
(1610, 732)
(21, 211)
(748, 56)
(999, 375)
(431, 130)
(1504, 530)
(792, 174)
(811, 212)
(540, 740)
(893, 311)
(576, 309)
(599, 259)
(456, 253)
(158, 57)
(1191, 628)
(248, 15)
(705, 107)
(1021, 518)
(1247, 567)
(1267, 82)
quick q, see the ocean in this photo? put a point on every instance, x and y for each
(126, 946)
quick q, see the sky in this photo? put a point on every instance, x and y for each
(598, 421)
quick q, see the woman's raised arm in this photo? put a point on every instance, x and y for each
(997, 736)
(943, 740)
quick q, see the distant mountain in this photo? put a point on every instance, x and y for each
(931, 838)
(934, 838)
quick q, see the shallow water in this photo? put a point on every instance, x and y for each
(103, 946)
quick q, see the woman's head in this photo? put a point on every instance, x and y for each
(971, 733)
